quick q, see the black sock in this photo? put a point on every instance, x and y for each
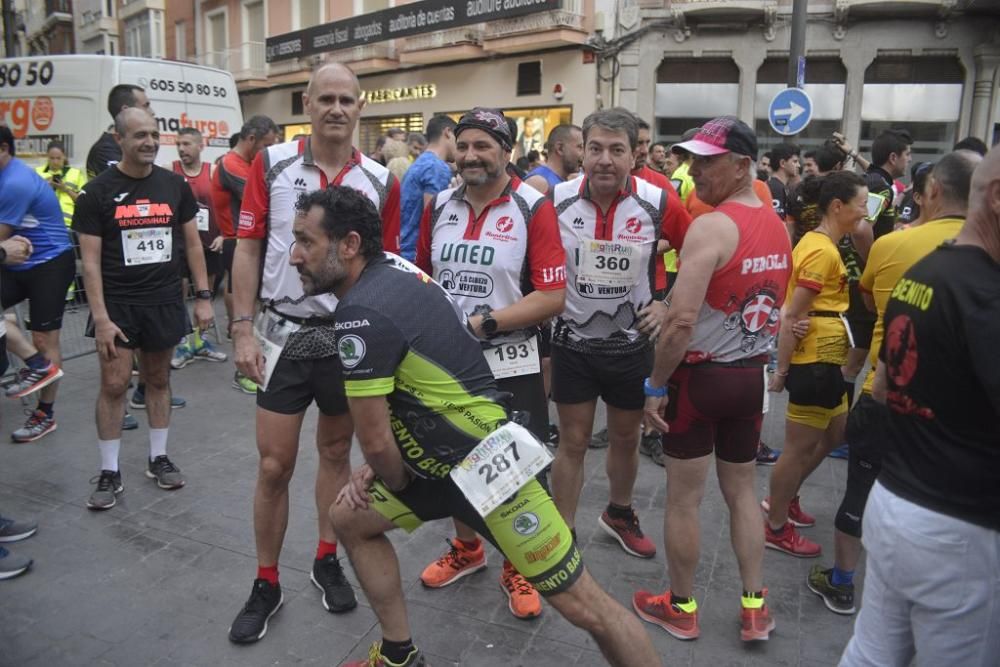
(619, 511)
(397, 651)
(677, 599)
(141, 388)
(46, 407)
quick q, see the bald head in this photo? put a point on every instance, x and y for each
(336, 71)
(129, 117)
(951, 180)
(984, 197)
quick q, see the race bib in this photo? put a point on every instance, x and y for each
(272, 332)
(152, 245)
(202, 219)
(513, 359)
(501, 463)
(610, 263)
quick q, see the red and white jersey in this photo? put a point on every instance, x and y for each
(278, 175)
(485, 260)
(603, 317)
(740, 316)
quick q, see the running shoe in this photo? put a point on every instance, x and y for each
(838, 598)
(376, 659)
(129, 422)
(796, 514)
(553, 439)
(628, 534)
(38, 425)
(109, 486)
(167, 475)
(658, 610)
(840, 452)
(599, 440)
(244, 384)
(138, 401)
(456, 563)
(788, 540)
(522, 598)
(12, 531)
(250, 624)
(766, 456)
(12, 565)
(29, 380)
(206, 352)
(756, 624)
(651, 444)
(183, 355)
(328, 576)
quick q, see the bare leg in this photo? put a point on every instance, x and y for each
(737, 483)
(156, 369)
(623, 454)
(115, 375)
(847, 551)
(333, 441)
(576, 423)
(278, 445)
(681, 525)
(800, 444)
(17, 342)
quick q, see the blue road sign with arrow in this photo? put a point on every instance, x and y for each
(790, 111)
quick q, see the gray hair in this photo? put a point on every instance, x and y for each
(953, 173)
(616, 119)
(258, 126)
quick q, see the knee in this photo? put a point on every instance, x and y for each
(156, 379)
(46, 341)
(114, 388)
(583, 605)
(335, 451)
(274, 472)
(345, 522)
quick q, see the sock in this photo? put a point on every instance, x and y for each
(324, 549)
(623, 512)
(472, 545)
(753, 600)
(196, 339)
(396, 652)
(109, 453)
(849, 390)
(268, 574)
(840, 577)
(687, 605)
(141, 388)
(45, 407)
(36, 362)
(157, 442)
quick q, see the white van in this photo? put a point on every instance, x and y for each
(65, 98)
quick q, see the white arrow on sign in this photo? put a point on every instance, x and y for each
(793, 111)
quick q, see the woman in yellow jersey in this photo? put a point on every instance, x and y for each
(810, 366)
(65, 180)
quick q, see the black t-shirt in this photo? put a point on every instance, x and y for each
(942, 324)
(103, 154)
(804, 217)
(879, 183)
(779, 196)
(909, 209)
(140, 221)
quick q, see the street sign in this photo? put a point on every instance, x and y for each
(790, 111)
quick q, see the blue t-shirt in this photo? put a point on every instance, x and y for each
(551, 177)
(30, 206)
(428, 175)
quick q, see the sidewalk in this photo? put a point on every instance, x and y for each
(157, 579)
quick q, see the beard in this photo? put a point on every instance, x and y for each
(325, 279)
(488, 175)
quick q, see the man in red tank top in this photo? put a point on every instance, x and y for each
(198, 175)
(706, 391)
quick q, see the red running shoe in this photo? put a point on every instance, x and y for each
(796, 514)
(657, 609)
(757, 624)
(789, 541)
(629, 534)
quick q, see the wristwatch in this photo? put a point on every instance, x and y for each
(203, 294)
(489, 326)
(655, 392)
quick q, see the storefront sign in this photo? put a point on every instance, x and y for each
(420, 92)
(411, 19)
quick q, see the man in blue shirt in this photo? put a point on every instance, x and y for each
(428, 175)
(564, 157)
(29, 208)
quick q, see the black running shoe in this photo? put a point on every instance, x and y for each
(250, 624)
(838, 598)
(651, 445)
(553, 439)
(328, 577)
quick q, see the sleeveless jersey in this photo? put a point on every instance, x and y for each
(278, 176)
(740, 315)
(201, 186)
(551, 177)
(493, 260)
(602, 318)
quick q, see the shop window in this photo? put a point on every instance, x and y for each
(298, 107)
(529, 78)
(698, 70)
(690, 91)
(370, 129)
(533, 126)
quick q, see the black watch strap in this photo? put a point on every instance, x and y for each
(203, 294)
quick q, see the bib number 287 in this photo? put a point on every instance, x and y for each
(499, 463)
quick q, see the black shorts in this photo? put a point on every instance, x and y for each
(4, 360)
(228, 252)
(148, 328)
(295, 383)
(816, 384)
(44, 286)
(545, 340)
(715, 407)
(866, 434)
(860, 319)
(578, 377)
(213, 265)
(528, 395)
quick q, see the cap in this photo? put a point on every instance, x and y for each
(726, 134)
(491, 121)
(687, 136)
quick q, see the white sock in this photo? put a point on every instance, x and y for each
(109, 453)
(157, 442)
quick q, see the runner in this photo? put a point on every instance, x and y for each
(564, 149)
(510, 229)
(301, 364)
(132, 221)
(945, 201)
(228, 182)
(784, 169)
(817, 402)
(29, 208)
(658, 158)
(734, 269)
(932, 522)
(802, 217)
(610, 223)
(427, 176)
(422, 394)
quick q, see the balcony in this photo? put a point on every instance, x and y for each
(130, 8)
(366, 59)
(442, 46)
(559, 27)
(245, 62)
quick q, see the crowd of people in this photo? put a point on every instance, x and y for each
(433, 297)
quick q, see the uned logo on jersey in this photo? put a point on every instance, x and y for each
(632, 225)
(352, 350)
(551, 274)
(505, 224)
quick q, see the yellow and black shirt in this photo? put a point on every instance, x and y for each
(817, 266)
